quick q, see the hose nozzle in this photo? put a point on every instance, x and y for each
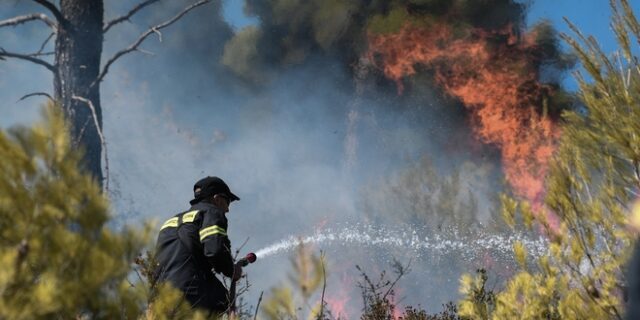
(249, 258)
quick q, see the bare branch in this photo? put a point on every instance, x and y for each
(44, 44)
(81, 134)
(158, 33)
(255, 315)
(245, 288)
(37, 94)
(30, 58)
(401, 271)
(149, 53)
(324, 286)
(127, 16)
(29, 17)
(240, 248)
(134, 46)
(100, 134)
(42, 54)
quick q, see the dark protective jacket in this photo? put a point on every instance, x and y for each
(189, 246)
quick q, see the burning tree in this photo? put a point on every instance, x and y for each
(495, 73)
(593, 180)
(78, 28)
(497, 80)
(475, 52)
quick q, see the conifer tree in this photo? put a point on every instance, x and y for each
(307, 280)
(60, 260)
(593, 181)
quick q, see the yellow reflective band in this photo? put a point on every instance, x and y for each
(171, 223)
(189, 216)
(209, 231)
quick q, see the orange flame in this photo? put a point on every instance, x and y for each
(398, 309)
(338, 305)
(496, 83)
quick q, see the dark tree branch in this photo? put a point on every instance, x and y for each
(127, 16)
(100, 134)
(44, 44)
(82, 130)
(240, 248)
(30, 58)
(42, 54)
(401, 271)
(51, 7)
(324, 286)
(37, 94)
(76, 141)
(29, 17)
(134, 46)
(255, 315)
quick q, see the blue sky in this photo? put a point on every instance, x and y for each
(234, 14)
(592, 17)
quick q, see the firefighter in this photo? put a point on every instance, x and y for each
(193, 243)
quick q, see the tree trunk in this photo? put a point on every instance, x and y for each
(78, 51)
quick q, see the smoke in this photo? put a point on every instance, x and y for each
(498, 84)
(418, 195)
(291, 114)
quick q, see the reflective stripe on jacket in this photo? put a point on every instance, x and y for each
(189, 246)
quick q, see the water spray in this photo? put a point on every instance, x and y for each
(464, 245)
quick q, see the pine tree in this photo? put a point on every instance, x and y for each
(60, 260)
(594, 178)
(307, 280)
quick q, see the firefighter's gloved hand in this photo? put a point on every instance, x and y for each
(237, 272)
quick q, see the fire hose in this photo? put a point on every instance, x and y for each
(243, 262)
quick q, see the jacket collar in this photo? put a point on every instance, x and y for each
(202, 205)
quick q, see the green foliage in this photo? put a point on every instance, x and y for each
(308, 271)
(390, 22)
(307, 278)
(60, 259)
(169, 304)
(593, 179)
(330, 21)
(290, 31)
(280, 304)
(478, 302)
(242, 57)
